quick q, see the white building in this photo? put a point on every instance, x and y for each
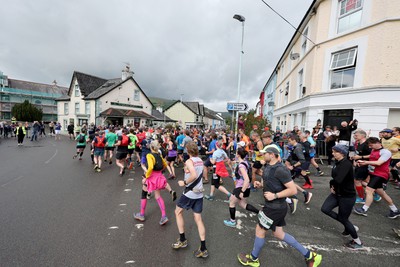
(99, 101)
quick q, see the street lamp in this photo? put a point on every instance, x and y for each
(241, 19)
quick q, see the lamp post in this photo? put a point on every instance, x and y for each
(241, 19)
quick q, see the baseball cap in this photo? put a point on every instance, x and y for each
(242, 144)
(271, 149)
(386, 130)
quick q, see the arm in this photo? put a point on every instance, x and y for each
(245, 176)
(150, 163)
(342, 172)
(289, 191)
(300, 156)
(385, 156)
(193, 176)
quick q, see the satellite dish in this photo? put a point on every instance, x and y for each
(294, 56)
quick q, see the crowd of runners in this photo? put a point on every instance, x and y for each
(362, 168)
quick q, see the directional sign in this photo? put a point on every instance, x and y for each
(236, 106)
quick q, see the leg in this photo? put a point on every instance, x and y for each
(179, 221)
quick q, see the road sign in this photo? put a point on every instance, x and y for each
(236, 106)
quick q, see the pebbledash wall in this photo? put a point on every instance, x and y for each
(352, 66)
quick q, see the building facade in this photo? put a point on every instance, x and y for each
(187, 114)
(267, 100)
(343, 66)
(94, 100)
(43, 96)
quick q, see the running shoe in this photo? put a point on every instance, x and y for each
(307, 197)
(360, 200)
(163, 220)
(308, 186)
(98, 170)
(205, 181)
(397, 186)
(396, 231)
(209, 197)
(293, 205)
(345, 233)
(130, 166)
(95, 167)
(110, 162)
(247, 260)
(321, 173)
(173, 195)
(377, 197)
(230, 223)
(393, 214)
(308, 172)
(148, 195)
(179, 244)
(314, 260)
(80, 158)
(360, 211)
(139, 217)
(201, 254)
(352, 245)
(74, 157)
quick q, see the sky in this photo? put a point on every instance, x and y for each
(176, 48)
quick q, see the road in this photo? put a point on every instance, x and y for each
(56, 211)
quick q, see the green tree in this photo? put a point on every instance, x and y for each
(26, 112)
(251, 120)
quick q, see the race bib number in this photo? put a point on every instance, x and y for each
(371, 168)
(265, 221)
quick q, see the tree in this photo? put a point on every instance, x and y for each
(251, 120)
(26, 112)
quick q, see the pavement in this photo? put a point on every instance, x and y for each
(56, 211)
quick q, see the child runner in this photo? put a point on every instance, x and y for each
(218, 158)
(81, 144)
(154, 181)
(192, 198)
(99, 143)
(242, 188)
(111, 138)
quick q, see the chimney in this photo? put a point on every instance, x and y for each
(55, 83)
(126, 73)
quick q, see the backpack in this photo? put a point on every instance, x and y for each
(100, 141)
(248, 167)
(81, 138)
(124, 140)
(158, 166)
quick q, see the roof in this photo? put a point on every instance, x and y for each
(161, 102)
(115, 112)
(193, 106)
(63, 98)
(49, 89)
(211, 114)
(87, 83)
(108, 86)
(161, 116)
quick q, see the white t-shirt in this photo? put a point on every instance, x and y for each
(198, 166)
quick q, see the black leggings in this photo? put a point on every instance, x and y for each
(345, 205)
(329, 147)
(20, 138)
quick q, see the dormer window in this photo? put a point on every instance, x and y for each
(77, 91)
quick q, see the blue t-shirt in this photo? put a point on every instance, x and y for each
(179, 141)
(212, 146)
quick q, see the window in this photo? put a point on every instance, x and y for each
(282, 71)
(38, 102)
(343, 66)
(286, 97)
(303, 121)
(300, 92)
(87, 108)
(66, 108)
(350, 12)
(136, 96)
(5, 98)
(77, 108)
(304, 42)
(77, 91)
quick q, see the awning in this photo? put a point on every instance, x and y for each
(120, 113)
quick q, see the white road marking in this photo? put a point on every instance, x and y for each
(13, 180)
(129, 262)
(239, 224)
(55, 154)
(372, 251)
(128, 190)
(383, 239)
(240, 214)
(130, 179)
(113, 227)
(139, 226)
(122, 204)
(317, 228)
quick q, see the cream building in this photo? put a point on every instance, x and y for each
(187, 114)
(94, 100)
(343, 66)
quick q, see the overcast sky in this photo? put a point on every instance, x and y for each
(174, 46)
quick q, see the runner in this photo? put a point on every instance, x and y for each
(99, 143)
(58, 131)
(393, 145)
(179, 141)
(131, 148)
(171, 157)
(122, 151)
(111, 138)
(210, 150)
(192, 198)
(20, 132)
(154, 181)
(313, 151)
(378, 167)
(343, 195)
(218, 158)
(81, 140)
(277, 185)
(70, 129)
(258, 145)
(242, 188)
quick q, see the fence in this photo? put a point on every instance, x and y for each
(321, 151)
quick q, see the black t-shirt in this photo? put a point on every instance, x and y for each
(363, 149)
(306, 150)
(275, 177)
(343, 178)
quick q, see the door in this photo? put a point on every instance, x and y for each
(335, 117)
